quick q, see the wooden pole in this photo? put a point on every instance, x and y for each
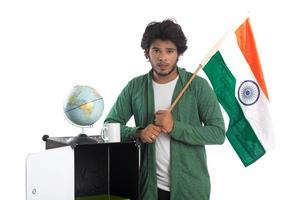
(185, 88)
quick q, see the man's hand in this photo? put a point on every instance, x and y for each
(149, 134)
(164, 120)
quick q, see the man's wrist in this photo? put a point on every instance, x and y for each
(138, 132)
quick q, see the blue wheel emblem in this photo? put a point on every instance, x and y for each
(248, 93)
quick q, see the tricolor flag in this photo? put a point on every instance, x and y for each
(234, 70)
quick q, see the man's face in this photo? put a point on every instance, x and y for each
(163, 57)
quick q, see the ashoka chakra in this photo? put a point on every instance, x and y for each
(248, 92)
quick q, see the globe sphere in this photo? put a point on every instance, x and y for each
(83, 106)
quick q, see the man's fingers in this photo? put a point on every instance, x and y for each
(150, 133)
(155, 129)
(146, 139)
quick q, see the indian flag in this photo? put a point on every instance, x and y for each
(234, 70)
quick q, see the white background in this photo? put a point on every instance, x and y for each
(47, 47)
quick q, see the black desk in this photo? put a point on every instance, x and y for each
(103, 168)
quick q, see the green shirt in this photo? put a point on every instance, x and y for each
(197, 122)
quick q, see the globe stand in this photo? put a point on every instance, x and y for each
(82, 138)
(82, 130)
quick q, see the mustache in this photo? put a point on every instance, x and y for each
(165, 63)
(162, 63)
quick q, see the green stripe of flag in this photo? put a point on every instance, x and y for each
(240, 133)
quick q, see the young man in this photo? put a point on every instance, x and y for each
(173, 158)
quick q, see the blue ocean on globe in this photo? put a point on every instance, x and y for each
(84, 105)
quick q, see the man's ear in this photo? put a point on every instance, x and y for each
(146, 53)
(178, 57)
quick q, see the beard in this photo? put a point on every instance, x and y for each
(165, 74)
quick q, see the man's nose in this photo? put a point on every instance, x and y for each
(162, 56)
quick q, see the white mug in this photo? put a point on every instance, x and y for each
(111, 132)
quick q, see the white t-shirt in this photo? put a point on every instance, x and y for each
(162, 100)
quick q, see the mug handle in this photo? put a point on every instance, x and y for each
(103, 134)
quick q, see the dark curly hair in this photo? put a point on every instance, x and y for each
(165, 30)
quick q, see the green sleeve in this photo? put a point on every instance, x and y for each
(212, 131)
(121, 112)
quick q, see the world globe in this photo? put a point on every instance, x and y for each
(84, 106)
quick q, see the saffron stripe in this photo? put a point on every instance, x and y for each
(247, 45)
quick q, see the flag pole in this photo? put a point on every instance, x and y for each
(185, 88)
